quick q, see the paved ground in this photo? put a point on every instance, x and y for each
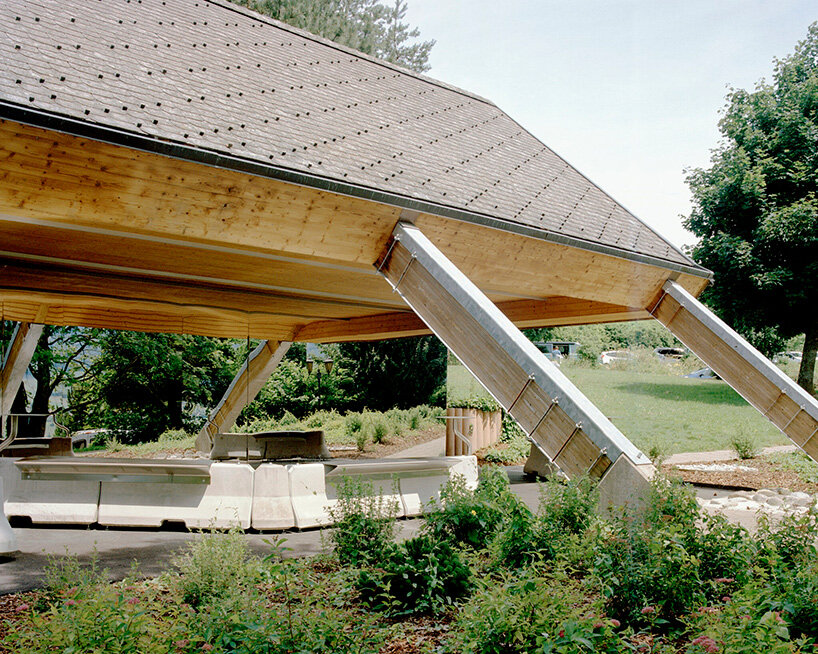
(154, 549)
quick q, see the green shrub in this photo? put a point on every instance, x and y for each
(215, 567)
(105, 620)
(744, 625)
(788, 543)
(379, 430)
(566, 510)
(471, 517)
(170, 436)
(648, 572)
(420, 575)
(569, 505)
(532, 611)
(65, 575)
(353, 423)
(364, 523)
(743, 445)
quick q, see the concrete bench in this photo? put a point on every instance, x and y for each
(270, 446)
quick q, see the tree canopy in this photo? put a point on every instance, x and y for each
(756, 212)
(366, 25)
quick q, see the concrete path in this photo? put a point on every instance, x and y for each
(719, 455)
(436, 447)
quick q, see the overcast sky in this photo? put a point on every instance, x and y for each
(629, 92)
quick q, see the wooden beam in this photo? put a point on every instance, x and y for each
(763, 384)
(548, 312)
(144, 316)
(243, 389)
(561, 421)
(14, 365)
(72, 281)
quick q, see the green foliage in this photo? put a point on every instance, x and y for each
(479, 402)
(141, 385)
(566, 511)
(661, 564)
(741, 626)
(402, 373)
(367, 25)
(364, 523)
(216, 567)
(379, 429)
(755, 208)
(171, 436)
(743, 445)
(471, 517)
(532, 611)
(65, 575)
(420, 575)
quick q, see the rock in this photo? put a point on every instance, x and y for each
(745, 494)
(774, 501)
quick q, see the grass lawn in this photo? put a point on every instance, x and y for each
(656, 409)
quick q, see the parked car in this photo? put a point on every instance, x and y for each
(704, 373)
(669, 353)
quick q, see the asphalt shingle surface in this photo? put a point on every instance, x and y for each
(217, 77)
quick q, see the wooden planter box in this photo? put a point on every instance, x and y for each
(480, 428)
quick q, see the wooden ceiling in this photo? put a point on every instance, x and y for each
(102, 235)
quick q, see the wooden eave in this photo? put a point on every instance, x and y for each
(106, 234)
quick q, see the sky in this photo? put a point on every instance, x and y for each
(629, 92)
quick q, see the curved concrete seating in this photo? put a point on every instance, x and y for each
(270, 446)
(272, 506)
(206, 494)
(223, 500)
(69, 502)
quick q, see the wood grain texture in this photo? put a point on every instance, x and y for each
(493, 364)
(740, 373)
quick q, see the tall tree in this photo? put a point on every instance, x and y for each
(143, 384)
(366, 25)
(756, 212)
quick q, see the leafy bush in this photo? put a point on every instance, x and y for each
(421, 575)
(471, 517)
(64, 573)
(172, 436)
(744, 625)
(743, 445)
(215, 567)
(533, 611)
(566, 510)
(379, 430)
(364, 523)
(480, 402)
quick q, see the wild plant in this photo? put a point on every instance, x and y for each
(364, 522)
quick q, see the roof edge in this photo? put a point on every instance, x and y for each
(173, 149)
(286, 27)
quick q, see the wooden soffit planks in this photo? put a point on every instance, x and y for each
(170, 245)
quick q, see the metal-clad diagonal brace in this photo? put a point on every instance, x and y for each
(243, 389)
(763, 384)
(498, 354)
(15, 362)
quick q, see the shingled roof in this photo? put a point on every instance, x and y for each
(216, 78)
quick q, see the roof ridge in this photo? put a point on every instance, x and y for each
(254, 15)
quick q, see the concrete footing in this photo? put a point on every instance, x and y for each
(625, 484)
